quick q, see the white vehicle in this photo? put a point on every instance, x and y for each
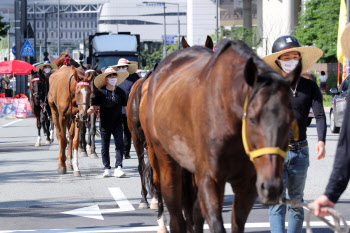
(310, 117)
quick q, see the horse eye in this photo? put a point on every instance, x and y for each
(252, 120)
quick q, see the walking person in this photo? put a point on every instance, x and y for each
(131, 67)
(323, 79)
(286, 54)
(109, 99)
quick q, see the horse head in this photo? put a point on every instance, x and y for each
(37, 87)
(65, 59)
(82, 92)
(266, 124)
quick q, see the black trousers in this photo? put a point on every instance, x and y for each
(117, 133)
(127, 135)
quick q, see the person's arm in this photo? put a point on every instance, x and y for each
(320, 116)
(92, 109)
(340, 175)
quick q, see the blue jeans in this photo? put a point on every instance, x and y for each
(294, 176)
(117, 133)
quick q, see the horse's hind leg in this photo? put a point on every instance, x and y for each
(245, 197)
(211, 197)
(73, 147)
(91, 137)
(38, 125)
(47, 129)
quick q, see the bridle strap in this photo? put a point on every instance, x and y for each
(262, 151)
(90, 70)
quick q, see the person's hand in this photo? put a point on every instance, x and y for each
(43, 105)
(320, 150)
(77, 115)
(320, 202)
(90, 110)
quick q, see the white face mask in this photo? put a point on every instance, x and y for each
(123, 69)
(112, 81)
(289, 66)
(47, 70)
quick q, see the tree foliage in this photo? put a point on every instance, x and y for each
(318, 26)
(4, 26)
(150, 58)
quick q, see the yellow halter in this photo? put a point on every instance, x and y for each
(261, 151)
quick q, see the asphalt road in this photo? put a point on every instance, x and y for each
(34, 197)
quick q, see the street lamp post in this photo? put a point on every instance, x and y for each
(178, 24)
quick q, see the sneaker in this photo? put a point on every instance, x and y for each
(127, 156)
(107, 173)
(118, 172)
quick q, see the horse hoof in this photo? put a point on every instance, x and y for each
(94, 156)
(143, 205)
(62, 170)
(69, 167)
(153, 206)
(38, 144)
(51, 139)
(83, 154)
(162, 230)
(76, 173)
(48, 142)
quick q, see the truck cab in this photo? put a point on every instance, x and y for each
(106, 49)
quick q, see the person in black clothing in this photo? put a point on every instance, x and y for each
(340, 175)
(109, 99)
(286, 54)
(131, 67)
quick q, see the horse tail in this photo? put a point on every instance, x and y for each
(189, 197)
(148, 174)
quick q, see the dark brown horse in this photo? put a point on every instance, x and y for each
(136, 109)
(69, 94)
(39, 86)
(65, 59)
(225, 118)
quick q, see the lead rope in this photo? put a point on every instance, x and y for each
(337, 218)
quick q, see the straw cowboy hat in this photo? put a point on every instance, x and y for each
(345, 40)
(101, 81)
(47, 63)
(284, 44)
(132, 65)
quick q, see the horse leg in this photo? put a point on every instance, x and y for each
(47, 129)
(74, 142)
(211, 197)
(92, 134)
(82, 141)
(70, 127)
(62, 140)
(156, 184)
(38, 125)
(88, 142)
(245, 197)
(171, 188)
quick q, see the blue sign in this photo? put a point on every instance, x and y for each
(169, 39)
(27, 50)
(14, 50)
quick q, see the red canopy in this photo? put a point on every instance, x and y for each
(16, 67)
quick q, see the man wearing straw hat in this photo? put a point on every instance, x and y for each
(110, 99)
(131, 67)
(340, 175)
(286, 54)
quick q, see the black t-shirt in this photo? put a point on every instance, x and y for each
(309, 95)
(111, 103)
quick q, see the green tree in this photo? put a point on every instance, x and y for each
(249, 36)
(152, 57)
(4, 26)
(318, 26)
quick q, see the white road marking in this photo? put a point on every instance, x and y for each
(148, 229)
(10, 123)
(95, 212)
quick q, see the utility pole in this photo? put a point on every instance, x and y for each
(59, 27)
(247, 17)
(178, 26)
(18, 28)
(217, 21)
(164, 46)
(34, 33)
(8, 35)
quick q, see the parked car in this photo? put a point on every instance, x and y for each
(338, 106)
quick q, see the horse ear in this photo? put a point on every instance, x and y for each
(184, 43)
(250, 72)
(75, 74)
(294, 76)
(209, 43)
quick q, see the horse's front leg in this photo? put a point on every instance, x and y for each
(82, 141)
(245, 197)
(62, 140)
(92, 134)
(211, 197)
(74, 144)
(38, 125)
(47, 129)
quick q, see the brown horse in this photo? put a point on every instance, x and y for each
(69, 94)
(65, 59)
(225, 118)
(135, 111)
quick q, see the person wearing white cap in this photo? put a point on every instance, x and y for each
(110, 99)
(286, 54)
(131, 67)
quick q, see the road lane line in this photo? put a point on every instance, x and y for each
(10, 123)
(150, 228)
